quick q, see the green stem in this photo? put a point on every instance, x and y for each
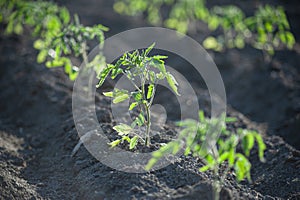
(148, 124)
(216, 184)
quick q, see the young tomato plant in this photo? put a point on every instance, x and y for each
(147, 70)
(231, 148)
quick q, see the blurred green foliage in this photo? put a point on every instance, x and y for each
(58, 35)
(212, 141)
(268, 29)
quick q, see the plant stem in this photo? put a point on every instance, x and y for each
(216, 184)
(148, 124)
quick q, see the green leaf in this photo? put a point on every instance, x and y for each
(133, 142)
(150, 91)
(123, 129)
(115, 72)
(152, 76)
(213, 23)
(210, 43)
(231, 157)
(150, 164)
(18, 29)
(248, 143)
(290, 40)
(39, 44)
(114, 143)
(103, 74)
(53, 24)
(223, 157)
(242, 167)
(230, 119)
(187, 151)
(41, 57)
(159, 57)
(176, 148)
(120, 98)
(65, 15)
(147, 51)
(159, 64)
(125, 137)
(201, 116)
(133, 105)
(137, 96)
(172, 82)
(108, 94)
(261, 146)
(204, 168)
(160, 76)
(140, 120)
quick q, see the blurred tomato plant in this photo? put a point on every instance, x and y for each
(217, 146)
(268, 29)
(57, 35)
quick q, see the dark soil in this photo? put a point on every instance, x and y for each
(37, 132)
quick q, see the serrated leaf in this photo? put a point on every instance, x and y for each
(126, 138)
(123, 129)
(150, 91)
(108, 94)
(172, 82)
(103, 74)
(147, 51)
(133, 105)
(160, 76)
(140, 120)
(120, 98)
(159, 64)
(137, 96)
(152, 76)
(133, 142)
(114, 143)
(115, 72)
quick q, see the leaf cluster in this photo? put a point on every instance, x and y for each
(58, 35)
(144, 72)
(215, 149)
(268, 29)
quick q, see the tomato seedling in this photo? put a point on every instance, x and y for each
(143, 72)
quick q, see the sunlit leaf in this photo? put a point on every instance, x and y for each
(133, 142)
(123, 129)
(114, 143)
(150, 91)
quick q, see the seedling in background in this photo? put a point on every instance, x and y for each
(231, 148)
(58, 35)
(148, 70)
